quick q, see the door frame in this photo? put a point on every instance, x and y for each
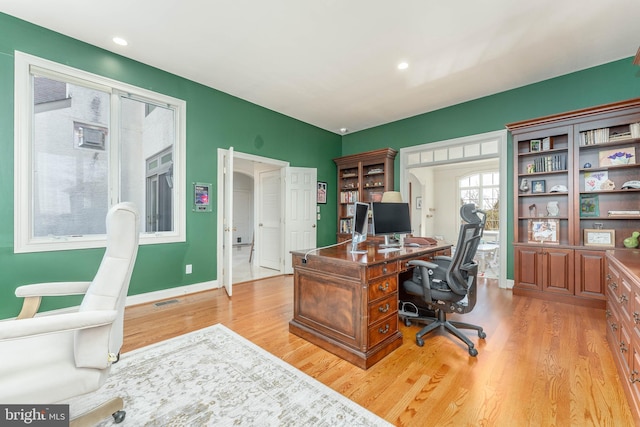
(455, 151)
(220, 200)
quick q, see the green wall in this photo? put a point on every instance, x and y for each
(214, 120)
(615, 81)
(218, 120)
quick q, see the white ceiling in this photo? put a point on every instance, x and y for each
(332, 63)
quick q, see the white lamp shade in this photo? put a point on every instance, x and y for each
(391, 197)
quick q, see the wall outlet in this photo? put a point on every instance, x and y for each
(188, 269)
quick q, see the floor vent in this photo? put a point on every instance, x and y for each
(170, 301)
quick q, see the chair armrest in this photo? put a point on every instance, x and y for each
(421, 263)
(23, 328)
(52, 289)
(443, 258)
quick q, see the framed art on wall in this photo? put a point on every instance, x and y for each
(322, 192)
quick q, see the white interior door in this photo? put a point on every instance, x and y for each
(269, 253)
(227, 223)
(300, 193)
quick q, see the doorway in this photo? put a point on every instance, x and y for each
(417, 180)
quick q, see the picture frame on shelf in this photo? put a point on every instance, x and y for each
(617, 157)
(322, 193)
(538, 186)
(589, 206)
(547, 143)
(351, 209)
(599, 237)
(535, 145)
(593, 180)
(544, 230)
(376, 196)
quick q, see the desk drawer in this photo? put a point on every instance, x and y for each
(383, 287)
(382, 308)
(378, 332)
(382, 269)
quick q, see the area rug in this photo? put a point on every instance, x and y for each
(215, 377)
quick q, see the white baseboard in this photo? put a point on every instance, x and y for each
(171, 292)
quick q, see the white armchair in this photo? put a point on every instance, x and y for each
(51, 358)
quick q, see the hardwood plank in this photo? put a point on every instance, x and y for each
(542, 363)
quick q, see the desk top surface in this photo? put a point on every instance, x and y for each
(373, 254)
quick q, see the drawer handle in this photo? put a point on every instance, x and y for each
(384, 330)
(636, 317)
(623, 347)
(384, 308)
(384, 288)
(632, 377)
(614, 326)
(623, 298)
(608, 276)
(613, 285)
(384, 269)
(607, 313)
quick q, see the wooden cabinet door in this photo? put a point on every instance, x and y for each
(557, 274)
(589, 274)
(528, 268)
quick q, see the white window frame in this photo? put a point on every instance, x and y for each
(23, 132)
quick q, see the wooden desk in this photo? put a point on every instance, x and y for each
(348, 303)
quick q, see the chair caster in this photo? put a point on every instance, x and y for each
(118, 416)
(482, 335)
(407, 322)
(473, 352)
(420, 342)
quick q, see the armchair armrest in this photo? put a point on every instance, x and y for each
(23, 328)
(421, 263)
(33, 294)
(52, 289)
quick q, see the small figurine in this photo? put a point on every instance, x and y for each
(587, 165)
(632, 241)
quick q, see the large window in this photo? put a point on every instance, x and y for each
(483, 189)
(84, 143)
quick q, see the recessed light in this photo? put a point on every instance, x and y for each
(344, 130)
(120, 41)
(403, 66)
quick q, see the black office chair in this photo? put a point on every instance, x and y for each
(446, 285)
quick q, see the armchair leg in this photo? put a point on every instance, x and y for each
(112, 407)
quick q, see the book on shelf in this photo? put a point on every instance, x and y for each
(623, 213)
(594, 136)
(556, 162)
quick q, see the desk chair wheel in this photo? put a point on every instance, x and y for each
(420, 342)
(482, 335)
(407, 322)
(118, 416)
(473, 352)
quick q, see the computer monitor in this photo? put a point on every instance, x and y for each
(360, 223)
(390, 219)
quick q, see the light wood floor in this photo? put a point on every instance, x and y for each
(542, 363)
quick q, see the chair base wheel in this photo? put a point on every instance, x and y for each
(118, 417)
(473, 352)
(482, 335)
(420, 342)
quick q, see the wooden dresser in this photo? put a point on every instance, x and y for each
(348, 303)
(623, 320)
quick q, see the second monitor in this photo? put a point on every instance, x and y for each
(389, 219)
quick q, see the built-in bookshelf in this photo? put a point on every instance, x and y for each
(574, 198)
(364, 178)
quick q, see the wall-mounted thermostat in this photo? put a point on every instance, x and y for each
(201, 197)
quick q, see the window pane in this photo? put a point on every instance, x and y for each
(70, 170)
(147, 135)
